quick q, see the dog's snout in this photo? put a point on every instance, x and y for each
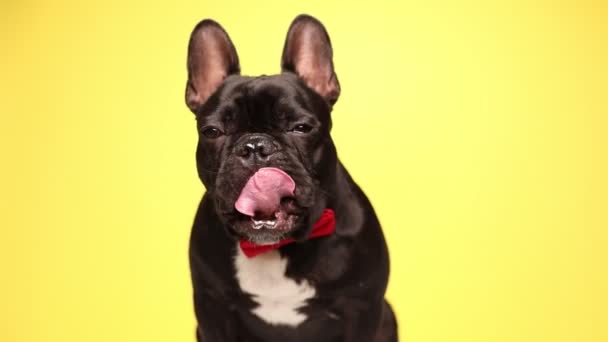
(256, 147)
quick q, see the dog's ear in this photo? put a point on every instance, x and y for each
(308, 53)
(211, 58)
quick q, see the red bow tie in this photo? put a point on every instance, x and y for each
(324, 226)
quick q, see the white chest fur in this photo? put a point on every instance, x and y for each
(278, 296)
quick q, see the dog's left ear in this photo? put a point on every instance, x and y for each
(308, 53)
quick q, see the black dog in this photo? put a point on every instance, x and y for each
(285, 246)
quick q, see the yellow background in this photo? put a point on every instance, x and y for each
(478, 129)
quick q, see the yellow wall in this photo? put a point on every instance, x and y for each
(479, 131)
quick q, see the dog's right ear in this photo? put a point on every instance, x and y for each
(211, 58)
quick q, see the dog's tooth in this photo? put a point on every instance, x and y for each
(268, 224)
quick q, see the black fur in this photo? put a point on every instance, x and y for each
(348, 269)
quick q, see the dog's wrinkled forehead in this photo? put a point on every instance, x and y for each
(264, 100)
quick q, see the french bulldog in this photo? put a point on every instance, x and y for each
(285, 246)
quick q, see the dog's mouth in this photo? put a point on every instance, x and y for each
(263, 229)
(267, 210)
(279, 220)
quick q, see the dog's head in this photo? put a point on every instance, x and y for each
(277, 123)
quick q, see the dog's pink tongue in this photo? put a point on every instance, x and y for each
(264, 191)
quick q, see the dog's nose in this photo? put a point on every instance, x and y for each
(253, 147)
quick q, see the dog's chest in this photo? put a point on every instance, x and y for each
(279, 297)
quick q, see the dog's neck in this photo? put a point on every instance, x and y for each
(347, 200)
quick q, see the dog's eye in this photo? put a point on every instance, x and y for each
(211, 132)
(302, 128)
